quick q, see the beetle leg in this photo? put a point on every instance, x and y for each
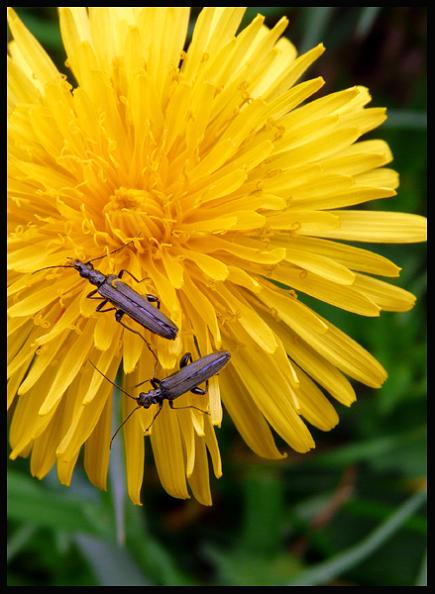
(171, 404)
(123, 270)
(199, 391)
(101, 305)
(195, 340)
(153, 299)
(153, 381)
(155, 417)
(90, 295)
(185, 360)
(118, 316)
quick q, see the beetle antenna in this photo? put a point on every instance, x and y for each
(113, 383)
(123, 423)
(57, 266)
(112, 252)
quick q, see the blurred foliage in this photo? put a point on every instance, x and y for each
(349, 513)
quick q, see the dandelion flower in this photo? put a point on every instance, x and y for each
(238, 194)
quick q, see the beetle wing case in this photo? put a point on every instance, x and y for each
(137, 307)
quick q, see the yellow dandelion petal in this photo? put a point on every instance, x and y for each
(294, 96)
(350, 257)
(198, 300)
(43, 455)
(314, 406)
(213, 449)
(33, 56)
(69, 368)
(292, 312)
(249, 421)
(249, 320)
(305, 222)
(134, 349)
(378, 227)
(26, 422)
(223, 186)
(349, 356)
(165, 437)
(135, 454)
(20, 87)
(52, 433)
(83, 423)
(320, 265)
(214, 28)
(96, 459)
(66, 320)
(386, 296)
(245, 252)
(188, 437)
(212, 267)
(317, 367)
(104, 333)
(43, 359)
(362, 156)
(14, 384)
(198, 480)
(23, 355)
(174, 270)
(275, 404)
(240, 277)
(93, 380)
(344, 296)
(205, 170)
(65, 470)
(38, 299)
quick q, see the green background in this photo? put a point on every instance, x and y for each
(349, 513)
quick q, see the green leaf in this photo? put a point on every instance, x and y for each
(245, 569)
(30, 501)
(264, 506)
(368, 450)
(19, 540)
(152, 556)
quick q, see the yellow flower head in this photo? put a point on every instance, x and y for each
(232, 190)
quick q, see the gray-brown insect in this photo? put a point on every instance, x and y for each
(187, 379)
(123, 298)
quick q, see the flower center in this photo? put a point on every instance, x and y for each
(138, 213)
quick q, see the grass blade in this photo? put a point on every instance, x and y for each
(316, 21)
(406, 118)
(422, 574)
(324, 572)
(366, 20)
(111, 564)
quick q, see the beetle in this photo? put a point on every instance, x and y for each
(186, 379)
(123, 298)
